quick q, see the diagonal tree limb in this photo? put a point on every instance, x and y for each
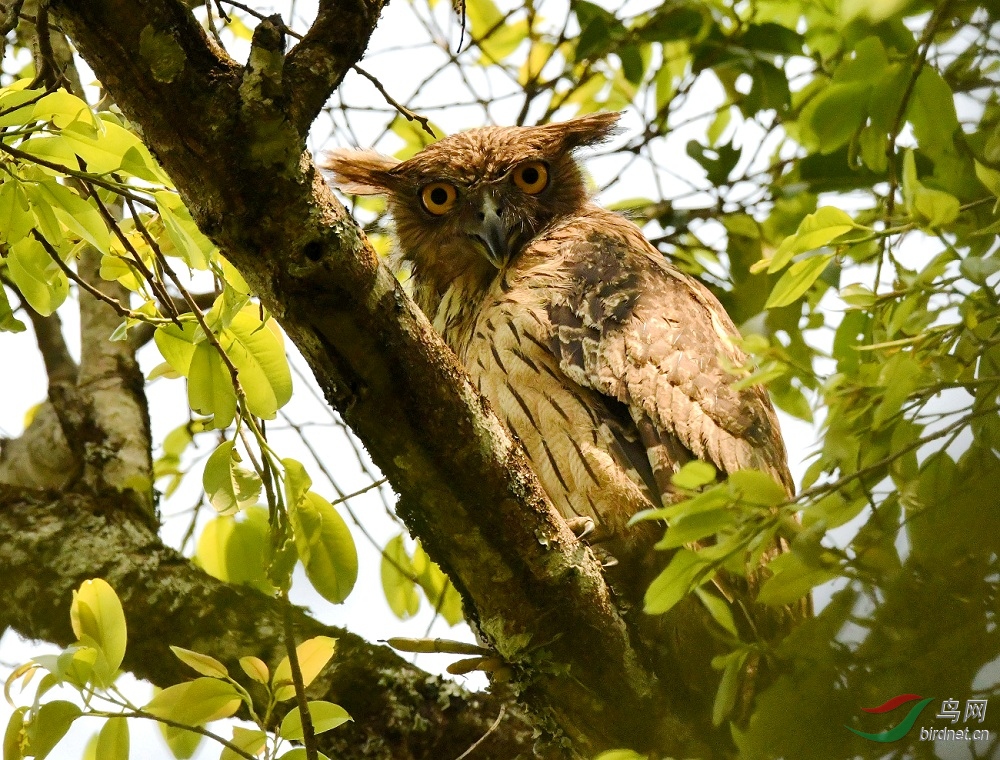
(535, 593)
(52, 542)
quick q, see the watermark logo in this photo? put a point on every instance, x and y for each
(975, 709)
(898, 731)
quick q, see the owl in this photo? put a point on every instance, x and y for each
(612, 367)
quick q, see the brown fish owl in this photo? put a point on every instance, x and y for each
(610, 365)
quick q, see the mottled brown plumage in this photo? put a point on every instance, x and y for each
(611, 366)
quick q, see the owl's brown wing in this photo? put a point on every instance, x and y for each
(629, 325)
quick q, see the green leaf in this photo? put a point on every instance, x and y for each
(50, 725)
(196, 702)
(325, 546)
(210, 386)
(931, 111)
(183, 743)
(686, 569)
(313, 655)
(256, 668)
(299, 753)
(38, 278)
(62, 109)
(250, 740)
(693, 475)
(397, 579)
(76, 214)
(325, 717)
(439, 590)
(725, 697)
(238, 551)
(202, 663)
(189, 243)
(815, 231)
(228, 485)
(831, 118)
(177, 344)
(257, 349)
(8, 322)
(621, 754)
(113, 740)
(976, 269)
(96, 615)
(929, 207)
(797, 280)
(719, 609)
(756, 487)
(792, 579)
(13, 735)
(16, 219)
(690, 528)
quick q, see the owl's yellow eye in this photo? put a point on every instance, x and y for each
(438, 197)
(532, 177)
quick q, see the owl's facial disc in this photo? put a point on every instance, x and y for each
(492, 233)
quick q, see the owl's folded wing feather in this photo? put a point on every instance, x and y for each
(627, 324)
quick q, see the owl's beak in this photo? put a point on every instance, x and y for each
(492, 233)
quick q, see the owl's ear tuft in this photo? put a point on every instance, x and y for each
(360, 172)
(591, 129)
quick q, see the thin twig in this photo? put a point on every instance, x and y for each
(403, 110)
(481, 739)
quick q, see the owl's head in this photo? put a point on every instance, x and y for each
(476, 198)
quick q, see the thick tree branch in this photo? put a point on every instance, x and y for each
(467, 490)
(316, 65)
(52, 542)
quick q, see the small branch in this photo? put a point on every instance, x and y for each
(317, 64)
(54, 254)
(93, 179)
(481, 739)
(403, 110)
(10, 17)
(308, 732)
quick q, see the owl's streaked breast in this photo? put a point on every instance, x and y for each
(572, 437)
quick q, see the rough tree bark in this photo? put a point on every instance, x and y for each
(232, 139)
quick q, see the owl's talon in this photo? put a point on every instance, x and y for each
(581, 526)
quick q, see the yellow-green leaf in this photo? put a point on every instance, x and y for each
(256, 668)
(196, 702)
(113, 740)
(76, 214)
(183, 743)
(313, 655)
(38, 278)
(673, 584)
(96, 613)
(177, 344)
(188, 241)
(16, 219)
(50, 725)
(815, 231)
(325, 546)
(210, 386)
(325, 717)
(797, 280)
(228, 485)
(257, 348)
(397, 579)
(203, 663)
(250, 740)
(694, 475)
